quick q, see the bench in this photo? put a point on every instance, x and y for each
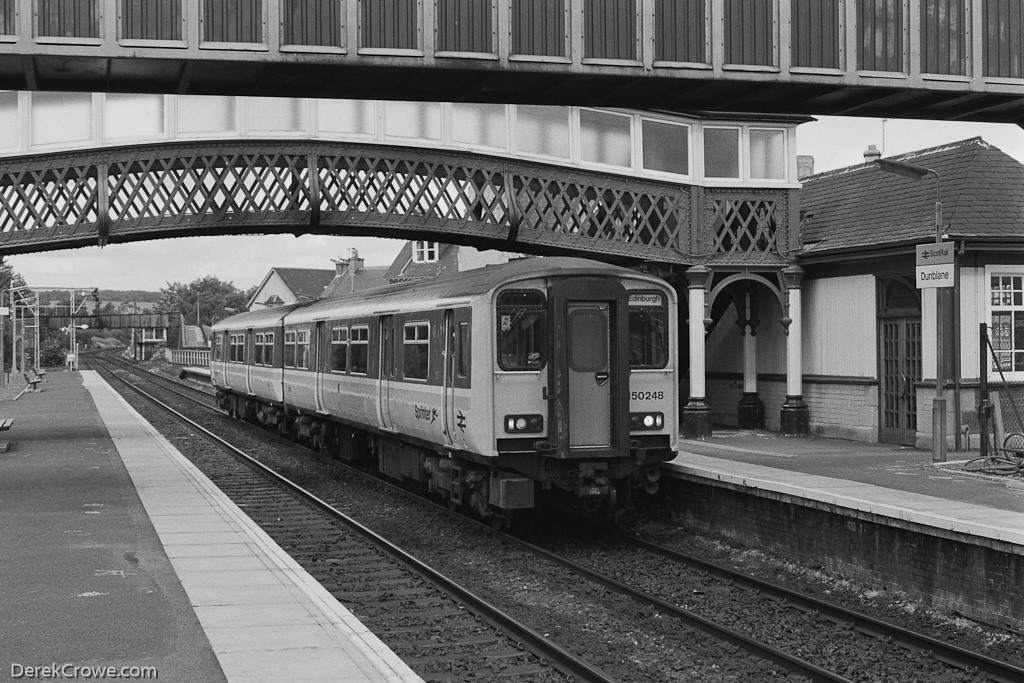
(31, 384)
(5, 424)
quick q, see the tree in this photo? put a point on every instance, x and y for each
(204, 299)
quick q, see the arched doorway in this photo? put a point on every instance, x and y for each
(899, 360)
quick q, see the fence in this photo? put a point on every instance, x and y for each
(188, 356)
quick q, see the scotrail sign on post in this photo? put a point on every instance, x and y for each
(935, 265)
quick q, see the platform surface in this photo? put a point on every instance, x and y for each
(117, 552)
(881, 479)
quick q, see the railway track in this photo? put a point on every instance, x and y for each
(687, 590)
(477, 641)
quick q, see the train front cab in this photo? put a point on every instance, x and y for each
(605, 374)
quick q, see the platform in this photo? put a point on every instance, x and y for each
(884, 514)
(879, 479)
(119, 553)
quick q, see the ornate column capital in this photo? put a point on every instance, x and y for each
(698, 277)
(792, 276)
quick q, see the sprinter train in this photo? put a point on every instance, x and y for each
(486, 386)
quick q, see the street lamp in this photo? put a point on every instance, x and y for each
(74, 342)
(943, 299)
(3, 318)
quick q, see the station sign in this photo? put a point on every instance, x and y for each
(935, 265)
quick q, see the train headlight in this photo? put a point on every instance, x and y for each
(524, 424)
(648, 421)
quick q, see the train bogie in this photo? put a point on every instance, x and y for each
(483, 387)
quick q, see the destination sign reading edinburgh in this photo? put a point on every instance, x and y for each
(645, 299)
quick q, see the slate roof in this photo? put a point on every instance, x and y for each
(366, 278)
(861, 207)
(305, 282)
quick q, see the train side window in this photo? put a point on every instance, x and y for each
(268, 348)
(462, 351)
(339, 349)
(289, 349)
(648, 330)
(302, 349)
(238, 348)
(522, 330)
(218, 347)
(358, 352)
(416, 350)
(257, 349)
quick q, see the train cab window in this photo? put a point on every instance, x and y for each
(648, 330)
(416, 350)
(302, 349)
(462, 350)
(358, 349)
(522, 333)
(339, 349)
(289, 349)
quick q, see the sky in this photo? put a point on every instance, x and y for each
(834, 142)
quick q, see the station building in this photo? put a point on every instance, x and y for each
(869, 349)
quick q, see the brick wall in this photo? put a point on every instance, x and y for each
(980, 578)
(841, 410)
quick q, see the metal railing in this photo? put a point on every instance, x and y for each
(200, 357)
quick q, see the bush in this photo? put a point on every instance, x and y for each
(52, 353)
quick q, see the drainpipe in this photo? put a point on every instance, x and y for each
(958, 250)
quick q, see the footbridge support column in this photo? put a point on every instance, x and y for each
(696, 413)
(795, 417)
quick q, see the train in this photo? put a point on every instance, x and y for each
(489, 387)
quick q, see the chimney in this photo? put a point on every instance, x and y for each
(804, 166)
(355, 263)
(872, 154)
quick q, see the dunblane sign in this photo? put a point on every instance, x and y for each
(934, 265)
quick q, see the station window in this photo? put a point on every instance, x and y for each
(606, 138)
(648, 330)
(543, 130)
(767, 154)
(416, 350)
(339, 349)
(1007, 334)
(425, 252)
(522, 330)
(722, 152)
(302, 349)
(358, 350)
(666, 146)
(289, 349)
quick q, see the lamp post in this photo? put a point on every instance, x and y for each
(3, 318)
(943, 299)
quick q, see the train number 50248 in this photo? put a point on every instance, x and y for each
(646, 395)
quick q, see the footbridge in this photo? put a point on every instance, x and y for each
(622, 185)
(937, 59)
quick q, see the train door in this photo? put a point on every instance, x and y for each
(588, 360)
(448, 379)
(589, 373)
(247, 358)
(387, 370)
(321, 353)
